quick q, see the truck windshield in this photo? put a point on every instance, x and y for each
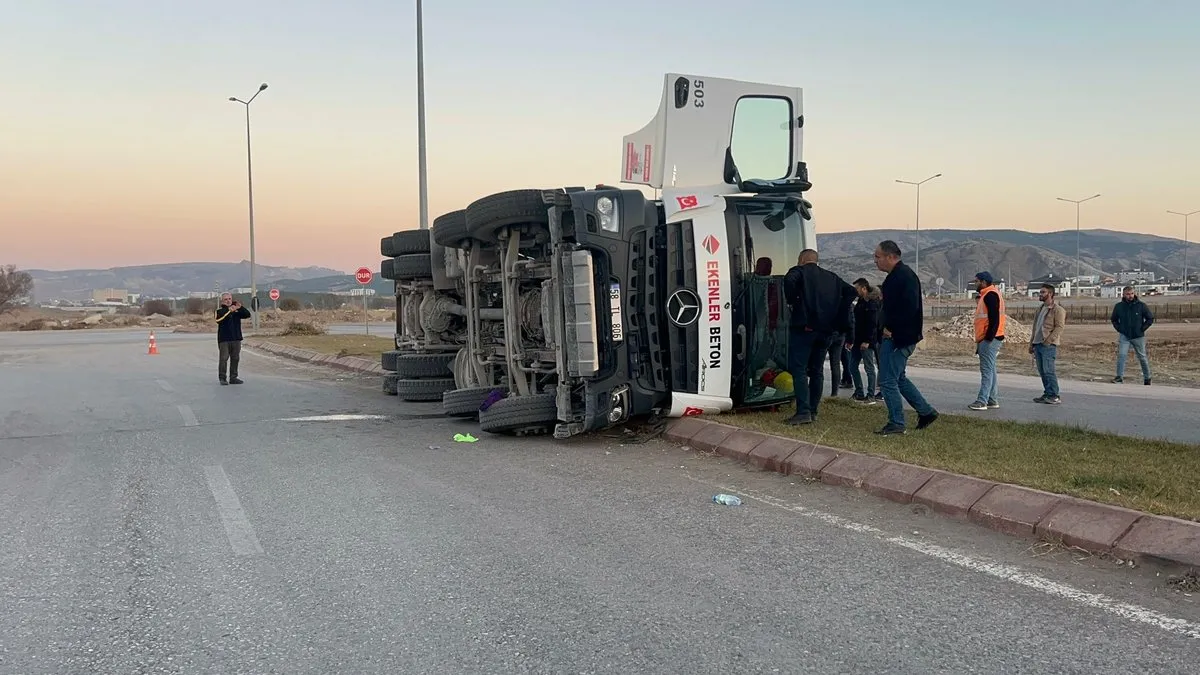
(772, 235)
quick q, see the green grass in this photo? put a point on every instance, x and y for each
(1155, 476)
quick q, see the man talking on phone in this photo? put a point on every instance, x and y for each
(229, 337)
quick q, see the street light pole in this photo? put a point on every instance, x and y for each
(250, 192)
(1185, 244)
(1077, 202)
(422, 179)
(917, 266)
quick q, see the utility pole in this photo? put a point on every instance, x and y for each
(1077, 202)
(1185, 244)
(250, 190)
(917, 265)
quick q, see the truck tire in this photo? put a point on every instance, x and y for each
(389, 384)
(450, 229)
(423, 390)
(465, 402)
(388, 360)
(387, 269)
(412, 266)
(409, 242)
(492, 213)
(520, 415)
(424, 365)
(385, 247)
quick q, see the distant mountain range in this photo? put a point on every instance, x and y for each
(180, 279)
(1010, 254)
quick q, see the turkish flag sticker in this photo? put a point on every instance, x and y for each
(687, 202)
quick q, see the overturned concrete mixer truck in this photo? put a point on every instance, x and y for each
(574, 309)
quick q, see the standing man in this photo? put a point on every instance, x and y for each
(902, 312)
(989, 337)
(1043, 343)
(229, 337)
(820, 303)
(1131, 317)
(865, 341)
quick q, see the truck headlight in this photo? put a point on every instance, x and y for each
(610, 217)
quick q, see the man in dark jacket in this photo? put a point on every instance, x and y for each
(902, 314)
(865, 341)
(820, 303)
(229, 337)
(1131, 317)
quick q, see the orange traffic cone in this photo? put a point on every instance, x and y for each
(153, 344)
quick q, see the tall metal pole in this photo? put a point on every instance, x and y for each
(250, 192)
(1185, 244)
(422, 179)
(1077, 202)
(917, 266)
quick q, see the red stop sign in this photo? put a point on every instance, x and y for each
(274, 294)
(363, 275)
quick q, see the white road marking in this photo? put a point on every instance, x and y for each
(166, 386)
(333, 418)
(189, 417)
(1000, 571)
(237, 526)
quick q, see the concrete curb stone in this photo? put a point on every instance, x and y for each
(1009, 509)
(349, 363)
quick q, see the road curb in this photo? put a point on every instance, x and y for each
(1010, 509)
(350, 363)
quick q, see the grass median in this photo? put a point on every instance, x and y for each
(364, 346)
(1154, 476)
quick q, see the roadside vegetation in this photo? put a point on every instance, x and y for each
(1156, 476)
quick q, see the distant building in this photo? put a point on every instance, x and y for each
(1063, 287)
(1136, 276)
(110, 295)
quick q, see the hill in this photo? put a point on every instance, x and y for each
(166, 280)
(1005, 253)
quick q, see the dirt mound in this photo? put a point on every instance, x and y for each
(963, 326)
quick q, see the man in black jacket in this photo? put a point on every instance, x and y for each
(820, 303)
(865, 341)
(1131, 317)
(901, 317)
(229, 337)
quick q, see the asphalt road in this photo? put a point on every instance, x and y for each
(157, 522)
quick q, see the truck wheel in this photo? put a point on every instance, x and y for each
(389, 384)
(465, 402)
(412, 266)
(424, 365)
(450, 229)
(387, 269)
(423, 390)
(492, 213)
(410, 241)
(385, 247)
(520, 415)
(388, 360)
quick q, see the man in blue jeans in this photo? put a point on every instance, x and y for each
(1043, 343)
(1131, 317)
(901, 316)
(990, 319)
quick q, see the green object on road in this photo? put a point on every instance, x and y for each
(465, 438)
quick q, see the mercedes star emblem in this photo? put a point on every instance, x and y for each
(683, 307)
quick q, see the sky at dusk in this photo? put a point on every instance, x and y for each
(119, 146)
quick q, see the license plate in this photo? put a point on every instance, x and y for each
(614, 297)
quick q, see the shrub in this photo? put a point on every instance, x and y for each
(289, 305)
(301, 328)
(194, 306)
(157, 307)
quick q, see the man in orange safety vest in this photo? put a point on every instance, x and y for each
(990, 320)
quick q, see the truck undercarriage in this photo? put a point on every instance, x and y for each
(570, 310)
